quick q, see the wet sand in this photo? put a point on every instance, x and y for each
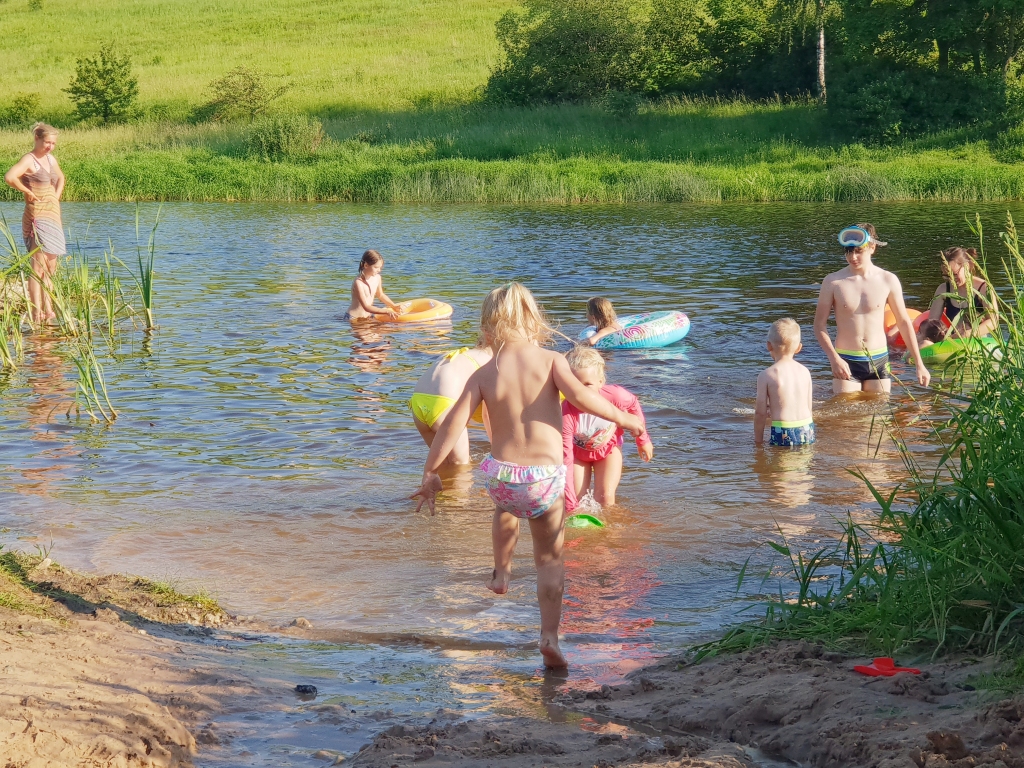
(102, 671)
(794, 703)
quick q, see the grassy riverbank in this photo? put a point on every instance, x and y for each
(699, 151)
(397, 89)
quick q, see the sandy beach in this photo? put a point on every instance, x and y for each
(99, 671)
(793, 703)
(104, 671)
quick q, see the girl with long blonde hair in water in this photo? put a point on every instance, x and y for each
(525, 472)
(39, 178)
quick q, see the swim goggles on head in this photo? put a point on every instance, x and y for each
(856, 237)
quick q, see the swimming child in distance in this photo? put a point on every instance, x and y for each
(597, 444)
(369, 286)
(785, 391)
(859, 294)
(525, 471)
(601, 315)
(440, 387)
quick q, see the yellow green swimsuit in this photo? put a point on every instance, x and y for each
(430, 408)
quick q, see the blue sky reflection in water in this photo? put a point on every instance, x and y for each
(265, 450)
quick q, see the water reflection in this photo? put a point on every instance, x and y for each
(282, 452)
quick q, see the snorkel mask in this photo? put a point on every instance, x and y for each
(857, 237)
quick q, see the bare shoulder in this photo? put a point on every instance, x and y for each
(890, 278)
(835, 276)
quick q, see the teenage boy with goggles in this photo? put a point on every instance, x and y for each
(859, 294)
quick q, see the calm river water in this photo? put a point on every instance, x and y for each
(265, 451)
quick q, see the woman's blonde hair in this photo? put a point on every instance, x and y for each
(510, 313)
(42, 130)
(581, 357)
(602, 311)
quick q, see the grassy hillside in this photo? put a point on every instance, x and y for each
(383, 53)
(394, 84)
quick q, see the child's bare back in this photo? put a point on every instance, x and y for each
(519, 389)
(789, 388)
(785, 392)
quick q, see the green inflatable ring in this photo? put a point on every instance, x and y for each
(939, 353)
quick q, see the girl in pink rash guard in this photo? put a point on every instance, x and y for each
(592, 447)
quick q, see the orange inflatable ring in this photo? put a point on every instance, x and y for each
(418, 311)
(893, 334)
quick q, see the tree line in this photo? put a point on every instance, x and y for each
(885, 68)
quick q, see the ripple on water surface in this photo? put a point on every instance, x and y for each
(265, 450)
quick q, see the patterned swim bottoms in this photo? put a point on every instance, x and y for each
(525, 492)
(792, 434)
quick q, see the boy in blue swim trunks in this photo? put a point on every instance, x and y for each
(785, 391)
(859, 294)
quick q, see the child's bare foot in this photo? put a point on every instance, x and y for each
(498, 583)
(553, 658)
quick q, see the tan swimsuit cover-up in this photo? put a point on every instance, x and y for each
(40, 224)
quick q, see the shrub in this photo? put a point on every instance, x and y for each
(284, 137)
(243, 93)
(21, 111)
(104, 86)
(620, 103)
(565, 50)
(883, 103)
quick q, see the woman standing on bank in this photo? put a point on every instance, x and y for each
(39, 178)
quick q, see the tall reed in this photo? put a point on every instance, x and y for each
(145, 276)
(943, 570)
(91, 388)
(88, 302)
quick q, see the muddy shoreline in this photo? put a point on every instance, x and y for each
(111, 671)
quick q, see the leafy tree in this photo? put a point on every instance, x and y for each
(104, 86)
(566, 50)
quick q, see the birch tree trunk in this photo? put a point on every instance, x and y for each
(822, 94)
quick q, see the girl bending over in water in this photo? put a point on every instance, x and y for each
(525, 471)
(596, 443)
(439, 388)
(369, 286)
(601, 315)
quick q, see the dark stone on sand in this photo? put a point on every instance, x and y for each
(305, 692)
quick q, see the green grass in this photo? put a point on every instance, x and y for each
(367, 52)
(396, 86)
(169, 595)
(941, 568)
(702, 151)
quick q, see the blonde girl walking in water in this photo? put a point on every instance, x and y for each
(525, 472)
(39, 178)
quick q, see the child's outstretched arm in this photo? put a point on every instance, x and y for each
(384, 298)
(589, 401)
(606, 331)
(630, 403)
(444, 441)
(761, 408)
(366, 301)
